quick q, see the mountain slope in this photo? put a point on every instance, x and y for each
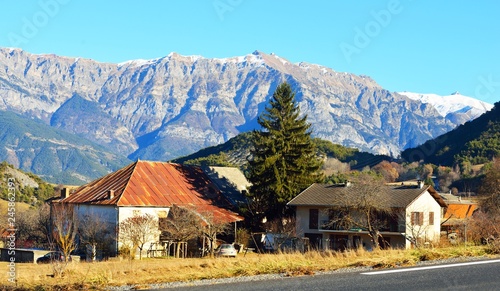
(173, 106)
(476, 141)
(87, 119)
(53, 154)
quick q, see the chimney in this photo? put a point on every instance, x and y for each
(420, 184)
(111, 194)
(65, 193)
(347, 183)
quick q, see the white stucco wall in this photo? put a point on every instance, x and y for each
(424, 203)
(101, 213)
(114, 215)
(106, 213)
(302, 220)
(127, 212)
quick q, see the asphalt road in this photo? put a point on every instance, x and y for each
(477, 275)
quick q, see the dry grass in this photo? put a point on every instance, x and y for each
(141, 273)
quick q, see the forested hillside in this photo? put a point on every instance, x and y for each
(235, 151)
(54, 154)
(475, 142)
(29, 188)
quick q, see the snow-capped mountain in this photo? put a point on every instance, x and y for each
(168, 107)
(455, 105)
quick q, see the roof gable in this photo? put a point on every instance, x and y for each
(96, 192)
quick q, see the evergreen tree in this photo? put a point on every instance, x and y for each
(283, 159)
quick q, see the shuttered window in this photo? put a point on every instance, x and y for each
(431, 218)
(417, 218)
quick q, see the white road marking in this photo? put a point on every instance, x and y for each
(429, 267)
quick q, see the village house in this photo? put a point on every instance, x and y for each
(456, 217)
(415, 213)
(146, 187)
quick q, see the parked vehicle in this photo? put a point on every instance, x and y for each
(272, 242)
(226, 250)
(50, 257)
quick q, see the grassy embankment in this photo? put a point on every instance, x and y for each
(100, 275)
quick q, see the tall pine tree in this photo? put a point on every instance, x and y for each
(283, 159)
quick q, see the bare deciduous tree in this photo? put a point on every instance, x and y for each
(63, 231)
(64, 228)
(94, 233)
(362, 206)
(181, 225)
(26, 235)
(213, 226)
(485, 228)
(139, 230)
(43, 220)
(33, 227)
(414, 230)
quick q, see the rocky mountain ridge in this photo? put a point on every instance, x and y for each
(168, 107)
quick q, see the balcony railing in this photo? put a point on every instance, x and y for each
(327, 225)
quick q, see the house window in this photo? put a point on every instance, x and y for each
(313, 218)
(357, 242)
(417, 218)
(431, 218)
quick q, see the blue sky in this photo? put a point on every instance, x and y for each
(420, 46)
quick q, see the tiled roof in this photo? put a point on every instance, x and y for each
(327, 194)
(154, 184)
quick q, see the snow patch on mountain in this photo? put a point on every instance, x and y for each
(453, 103)
(137, 63)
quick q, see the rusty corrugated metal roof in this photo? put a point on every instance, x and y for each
(96, 192)
(155, 184)
(216, 214)
(459, 210)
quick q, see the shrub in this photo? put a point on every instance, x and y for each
(125, 252)
(484, 228)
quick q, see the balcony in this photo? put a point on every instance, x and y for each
(327, 226)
